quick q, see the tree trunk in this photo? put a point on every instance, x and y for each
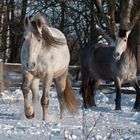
(112, 17)
(126, 6)
(4, 31)
(94, 34)
(16, 32)
(62, 22)
(24, 8)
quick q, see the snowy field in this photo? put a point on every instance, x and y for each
(97, 123)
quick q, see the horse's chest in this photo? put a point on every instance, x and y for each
(44, 70)
(38, 74)
(40, 71)
(127, 71)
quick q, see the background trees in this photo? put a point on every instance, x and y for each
(82, 21)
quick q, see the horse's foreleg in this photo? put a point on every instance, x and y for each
(35, 90)
(118, 94)
(45, 96)
(27, 79)
(137, 100)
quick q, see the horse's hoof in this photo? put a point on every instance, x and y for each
(31, 116)
(118, 108)
(89, 106)
(136, 109)
(94, 105)
(84, 106)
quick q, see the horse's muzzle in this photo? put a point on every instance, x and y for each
(30, 66)
(116, 55)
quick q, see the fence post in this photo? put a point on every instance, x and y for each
(1, 76)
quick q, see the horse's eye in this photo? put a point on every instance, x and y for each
(125, 40)
(23, 39)
(38, 38)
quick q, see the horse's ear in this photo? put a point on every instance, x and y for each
(39, 25)
(26, 22)
(127, 33)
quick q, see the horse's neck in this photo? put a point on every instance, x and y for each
(45, 51)
(130, 52)
(128, 56)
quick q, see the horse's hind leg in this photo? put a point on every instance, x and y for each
(93, 86)
(137, 101)
(27, 80)
(88, 89)
(66, 97)
(85, 88)
(35, 90)
(91, 92)
(60, 86)
(118, 94)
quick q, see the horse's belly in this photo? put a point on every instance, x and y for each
(61, 64)
(107, 76)
(60, 72)
(104, 72)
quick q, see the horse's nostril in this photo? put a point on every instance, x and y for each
(33, 64)
(30, 66)
(116, 54)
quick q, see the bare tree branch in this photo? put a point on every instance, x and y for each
(110, 41)
(126, 7)
(135, 19)
(125, 22)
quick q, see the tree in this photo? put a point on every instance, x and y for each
(16, 31)
(83, 22)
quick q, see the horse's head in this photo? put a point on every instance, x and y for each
(32, 41)
(121, 43)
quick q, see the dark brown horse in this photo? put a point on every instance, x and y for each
(107, 63)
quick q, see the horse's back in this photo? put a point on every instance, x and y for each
(57, 33)
(103, 62)
(98, 62)
(61, 51)
(60, 56)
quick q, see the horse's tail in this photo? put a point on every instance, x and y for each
(71, 102)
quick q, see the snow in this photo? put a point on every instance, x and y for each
(97, 123)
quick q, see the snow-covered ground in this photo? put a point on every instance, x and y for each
(97, 123)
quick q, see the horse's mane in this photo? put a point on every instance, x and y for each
(46, 34)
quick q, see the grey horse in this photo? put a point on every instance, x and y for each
(45, 55)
